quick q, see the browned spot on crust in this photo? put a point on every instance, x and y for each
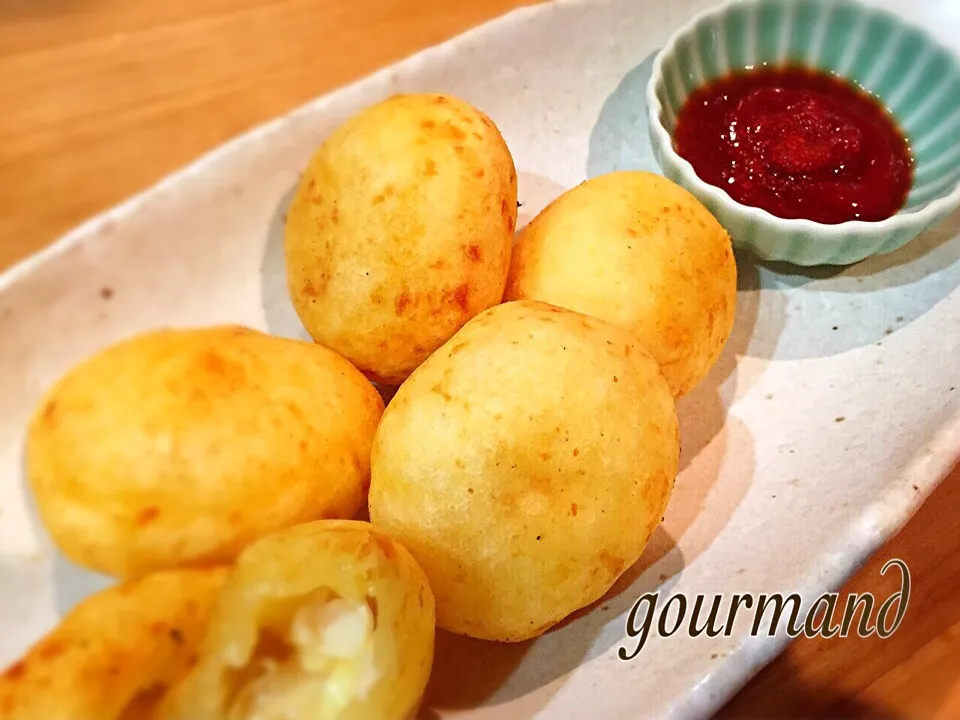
(573, 509)
(457, 133)
(614, 565)
(576, 451)
(16, 671)
(148, 515)
(378, 198)
(312, 185)
(106, 293)
(478, 136)
(234, 517)
(457, 348)
(441, 391)
(470, 491)
(335, 215)
(438, 264)
(546, 455)
(460, 463)
(538, 483)
(376, 297)
(507, 213)
(302, 445)
(419, 349)
(486, 121)
(461, 297)
(309, 290)
(428, 124)
(402, 303)
(389, 191)
(458, 149)
(626, 351)
(50, 410)
(295, 410)
(615, 379)
(632, 232)
(474, 252)
(431, 168)
(214, 363)
(441, 100)
(51, 650)
(479, 173)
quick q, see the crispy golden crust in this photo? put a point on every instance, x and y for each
(400, 231)
(639, 251)
(180, 447)
(525, 466)
(281, 575)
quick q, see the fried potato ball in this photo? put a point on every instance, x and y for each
(400, 231)
(180, 447)
(525, 466)
(330, 620)
(111, 657)
(639, 251)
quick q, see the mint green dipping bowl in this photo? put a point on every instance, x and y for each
(914, 77)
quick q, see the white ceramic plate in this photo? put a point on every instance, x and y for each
(776, 494)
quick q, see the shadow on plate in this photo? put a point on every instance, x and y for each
(278, 310)
(831, 310)
(805, 312)
(534, 193)
(71, 583)
(469, 673)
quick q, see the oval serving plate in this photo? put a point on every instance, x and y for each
(830, 417)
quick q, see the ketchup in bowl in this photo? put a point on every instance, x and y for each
(798, 144)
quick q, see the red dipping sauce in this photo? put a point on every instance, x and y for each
(798, 144)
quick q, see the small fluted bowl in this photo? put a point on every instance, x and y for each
(914, 77)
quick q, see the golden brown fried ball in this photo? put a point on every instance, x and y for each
(639, 251)
(113, 655)
(400, 231)
(180, 447)
(330, 620)
(525, 465)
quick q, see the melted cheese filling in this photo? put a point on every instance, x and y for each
(330, 663)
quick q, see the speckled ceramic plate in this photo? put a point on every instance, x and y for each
(831, 415)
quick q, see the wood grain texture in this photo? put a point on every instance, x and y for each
(101, 98)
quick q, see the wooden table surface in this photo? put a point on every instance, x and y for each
(100, 98)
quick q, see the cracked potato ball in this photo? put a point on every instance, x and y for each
(112, 656)
(330, 620)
